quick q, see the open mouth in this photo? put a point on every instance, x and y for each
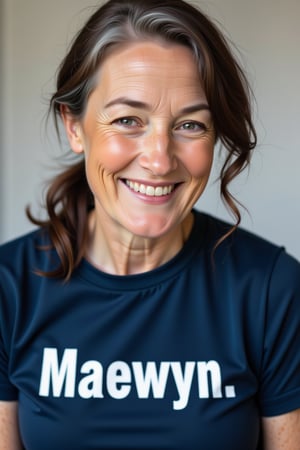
(151, 191)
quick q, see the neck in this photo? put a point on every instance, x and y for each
(122, 253)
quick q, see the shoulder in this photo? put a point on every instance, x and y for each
(245, 257)
(216, 228)
(25, 253)
(38, 236)
(242, 246)
(20, 261)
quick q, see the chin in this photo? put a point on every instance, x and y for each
(151, 228)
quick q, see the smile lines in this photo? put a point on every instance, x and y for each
(152, 191)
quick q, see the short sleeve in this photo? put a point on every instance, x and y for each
(280, 376)
(7, 390)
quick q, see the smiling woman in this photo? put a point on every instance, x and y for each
(160, 136)
(118, 28)
(128, 319)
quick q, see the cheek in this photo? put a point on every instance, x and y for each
(198, 159)
(110, 153)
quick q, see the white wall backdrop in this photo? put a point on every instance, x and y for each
(34, 38)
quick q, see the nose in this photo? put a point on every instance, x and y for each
(158, 154)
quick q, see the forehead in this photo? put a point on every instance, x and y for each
(149, 52)
(157, 64)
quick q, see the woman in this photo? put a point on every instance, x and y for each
(128, 319)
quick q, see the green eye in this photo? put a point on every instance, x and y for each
(192, 126)
(127, 122)
(189, 126)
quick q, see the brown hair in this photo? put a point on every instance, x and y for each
(69, 199)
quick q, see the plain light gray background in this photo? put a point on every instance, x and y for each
(34, 37)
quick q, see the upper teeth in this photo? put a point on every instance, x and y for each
(150, 190)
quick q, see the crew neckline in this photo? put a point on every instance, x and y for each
(153, 277)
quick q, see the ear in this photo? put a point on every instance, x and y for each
(73, 129)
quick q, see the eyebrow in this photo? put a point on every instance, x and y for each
(142, 105)
(129, 102)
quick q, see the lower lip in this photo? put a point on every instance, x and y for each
(152, 199)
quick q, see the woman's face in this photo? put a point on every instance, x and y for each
(148, 138)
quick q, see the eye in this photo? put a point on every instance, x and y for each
(192, 126)
(127, 122)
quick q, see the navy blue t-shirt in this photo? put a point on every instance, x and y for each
(187, 356)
